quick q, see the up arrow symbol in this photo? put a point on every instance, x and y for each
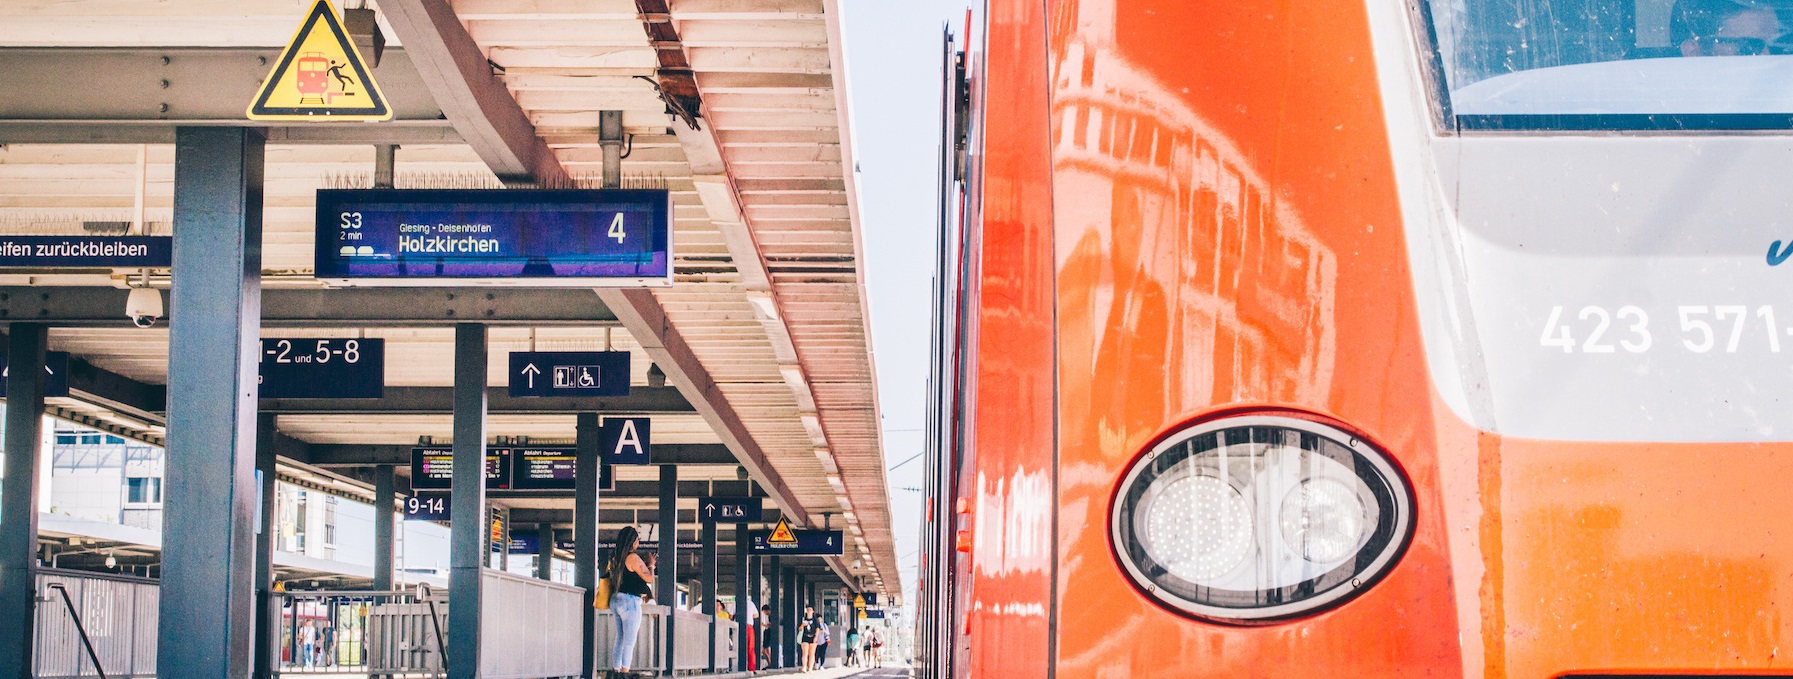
(531, 371)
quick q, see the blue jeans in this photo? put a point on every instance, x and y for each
(628, 625)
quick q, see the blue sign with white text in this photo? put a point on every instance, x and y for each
(569, 373)
(626, 440)
(805, 542)
(55, 373)
(427, 507)
(553, 237)
(87, 251)
(323, 368)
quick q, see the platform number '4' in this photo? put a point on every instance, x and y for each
(616, 227)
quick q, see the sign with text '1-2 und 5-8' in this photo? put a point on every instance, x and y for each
(323, 368)
(55, 373)
(569, 373)
(537, 238)
(155, 252)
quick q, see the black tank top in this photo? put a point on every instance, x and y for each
(630, 582)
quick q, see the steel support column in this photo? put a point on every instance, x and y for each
(18, 497)
(793, 614)
(774, 610)
(208, 562)
(384, 515)
(756, 590)
(610, 137)
(587, 461)
(267, 608)
(745, 589)
(708, 563)
(666, 577)
(467, 537)
(544, 549)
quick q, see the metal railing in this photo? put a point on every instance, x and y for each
(89, 621)
(529, 628)
(331, 631)
(690, 629)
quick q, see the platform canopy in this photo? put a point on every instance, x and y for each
(738, 107)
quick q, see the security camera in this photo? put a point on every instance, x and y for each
(144, 306)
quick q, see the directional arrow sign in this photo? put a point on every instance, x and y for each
(729, 509)
(55, 373)
(569, 373)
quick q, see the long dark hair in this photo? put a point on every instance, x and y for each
(625, 545)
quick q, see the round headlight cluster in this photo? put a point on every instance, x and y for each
(1260, 517)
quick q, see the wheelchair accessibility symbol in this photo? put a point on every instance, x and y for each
(575, 376)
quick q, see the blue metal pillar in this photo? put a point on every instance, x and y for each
(756, 590)
(207, 622)
(586, 471)
(267, 607)
(708, 557)
(467, 533)
(666, 575)
(544, 549)
(745, 590)
(793, 614)
(385, 513)
(18, 496)
(774, 611)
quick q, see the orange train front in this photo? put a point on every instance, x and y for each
(1364, 338)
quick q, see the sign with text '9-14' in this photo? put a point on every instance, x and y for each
(323, 367)
(532, 237)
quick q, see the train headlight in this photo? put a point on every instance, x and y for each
(1260, 517)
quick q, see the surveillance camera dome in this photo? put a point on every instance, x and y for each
(144, 306)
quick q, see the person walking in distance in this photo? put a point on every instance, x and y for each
(823, 636)
(633, 578)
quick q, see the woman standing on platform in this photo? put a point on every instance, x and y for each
(806, 635)
(632, 578)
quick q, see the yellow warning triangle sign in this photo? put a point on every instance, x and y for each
(320, 76)
(781, 534)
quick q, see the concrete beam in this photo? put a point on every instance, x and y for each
(646, 320)
(430, 400)
(337, 455)
(167, 87)
(315, 307)
(474, 99)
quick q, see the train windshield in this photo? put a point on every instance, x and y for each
(1614, 64)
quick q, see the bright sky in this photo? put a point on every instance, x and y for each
(894, 76)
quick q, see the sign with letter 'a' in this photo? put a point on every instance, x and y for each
(320, 77)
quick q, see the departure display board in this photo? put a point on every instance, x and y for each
(543, 468)
(433, 468)
(560, 237)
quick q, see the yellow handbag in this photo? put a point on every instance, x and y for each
(602, 599)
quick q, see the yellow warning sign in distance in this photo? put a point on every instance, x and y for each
(320, 77)
(781, 534)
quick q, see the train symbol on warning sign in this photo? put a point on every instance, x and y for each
(315, 74)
